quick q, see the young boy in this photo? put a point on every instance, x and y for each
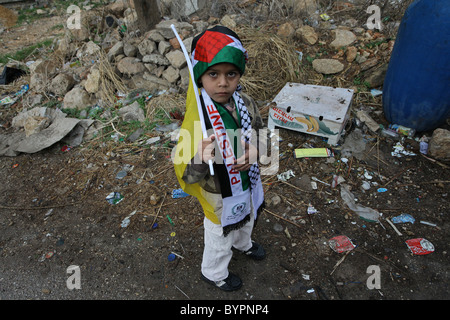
(233, 196)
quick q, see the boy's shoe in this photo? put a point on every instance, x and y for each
(256, 252)
(231, 283)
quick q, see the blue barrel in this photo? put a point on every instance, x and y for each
(416, 90)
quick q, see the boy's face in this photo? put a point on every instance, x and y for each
(220, 81)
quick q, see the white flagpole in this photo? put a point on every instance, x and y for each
(197, 96)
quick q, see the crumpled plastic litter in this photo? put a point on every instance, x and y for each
(285, 175)
(365, 213)
(403, 218)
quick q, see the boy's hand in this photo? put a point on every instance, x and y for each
(249, 157)
(206, 148)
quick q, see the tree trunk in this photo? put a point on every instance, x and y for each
(147, 13)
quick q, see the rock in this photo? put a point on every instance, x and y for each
(327, 66)
(370, 63)
(176, 59)
(154, 35)
(171, 74)
(343, 38)
(351, 53)
(50, 113)
(439, 145)
(89, 49)
(33, 100)
(65, 48)
(286, 30)
(375, 78)
(130, 66)
(174, 43)
(164, 47)
(92, 84)
(162, 84)
(61, 84)
(40, 74)
(116, 49)
(164, 28)
(307, 34)
(156, 58)
(308, 6)
(184, 74)
(117, 7)
(274, 201)
(77, 98)
(130, 50)
(228, 22)
(146, 47)
(35, 124)
(132, 112)
(200, 26)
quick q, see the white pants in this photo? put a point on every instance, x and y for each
(217, 252)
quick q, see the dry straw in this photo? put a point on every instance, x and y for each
(272, 63)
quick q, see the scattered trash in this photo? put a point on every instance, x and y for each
(400, 150)
(325, 17)
(285, 175)
(365, 185)
(376, 93)
(121, 174)
(179, 193)
(381, 190)
(126, 221)
(311, 209)
(337, 180)
(315, 179)
(387, 133)
(11, 100)
(420, 246)
(176, 254)
(171, 257)
(403, 218)
(313, 153)
(47, 255)
(153, 140)
(66, 148)
(365, 213)
(403, 130)
(170, 220)
(367, 175)
(429, 223)
(341, 244)
(114, 197)
(393, 227)
(423, 145)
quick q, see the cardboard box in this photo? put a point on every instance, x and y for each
(317, 110)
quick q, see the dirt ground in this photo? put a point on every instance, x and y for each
(54, 214)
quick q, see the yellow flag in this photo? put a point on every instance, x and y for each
(190, 135)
